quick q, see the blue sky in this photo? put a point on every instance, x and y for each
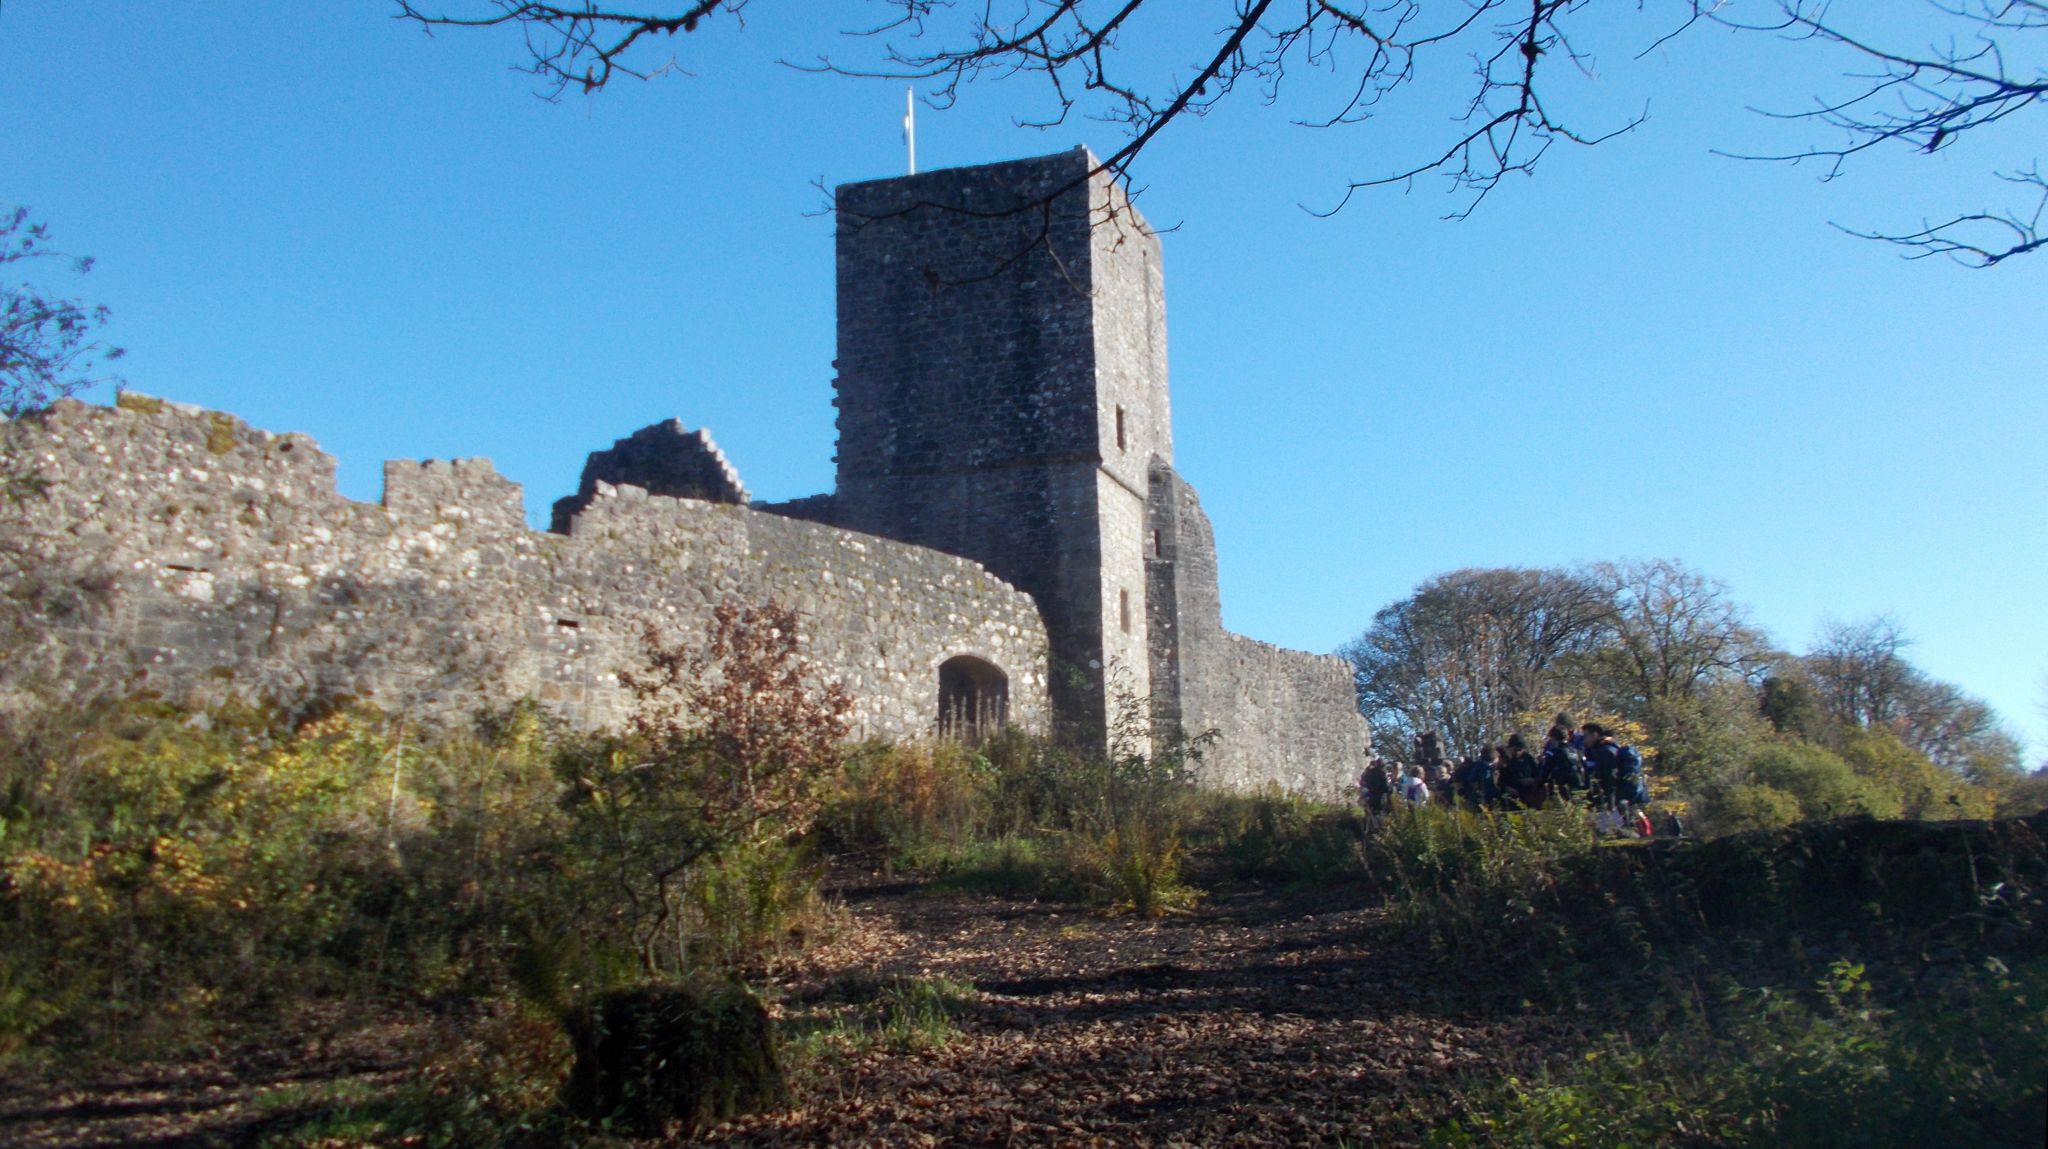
(325, 221)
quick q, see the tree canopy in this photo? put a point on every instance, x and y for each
(1759, 735)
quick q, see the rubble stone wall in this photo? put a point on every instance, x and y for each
(161, 547)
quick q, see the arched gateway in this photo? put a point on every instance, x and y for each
(974, 698)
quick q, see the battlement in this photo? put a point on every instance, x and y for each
(1007, 539)
(664, 459)
(177, 550)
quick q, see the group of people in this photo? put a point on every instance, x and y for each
(1584, 765)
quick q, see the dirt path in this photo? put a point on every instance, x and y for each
(1261, 1019)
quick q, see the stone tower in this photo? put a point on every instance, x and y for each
(1002, 395)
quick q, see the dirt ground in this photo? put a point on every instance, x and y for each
(1262, 1018)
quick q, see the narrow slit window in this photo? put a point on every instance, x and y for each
(1123, 609)
(1119, 428)
(1158, 545)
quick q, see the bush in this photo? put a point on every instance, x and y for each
(1824, 784)
(652, 1057)
(1133, 865)
(750, 905)
(1829, 1067)
(153, 861)
(1012, 865)
(1491, 889)
(1274, 834)
(907, 799)
(1748, 807)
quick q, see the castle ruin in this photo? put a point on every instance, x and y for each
(1007, 540)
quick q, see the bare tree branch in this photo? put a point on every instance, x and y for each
(1518, 50)
(579, 44)
(1924, 100)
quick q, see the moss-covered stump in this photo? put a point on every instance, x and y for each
(650, 1058)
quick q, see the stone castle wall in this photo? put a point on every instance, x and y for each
(1282, 716)
(164, 548)
(971, 396)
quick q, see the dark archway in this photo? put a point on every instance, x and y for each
(974, 699)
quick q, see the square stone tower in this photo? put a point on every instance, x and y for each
(1002, 395)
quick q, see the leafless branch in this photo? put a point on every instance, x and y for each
(1518, 51)
(1925, 100)
(1980, 238)
(579, 45)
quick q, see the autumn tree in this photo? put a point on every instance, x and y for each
(1341, 65)
(1471, 649)
(1679, 658)
(726, 746)
(1863, 680)
(48, 343)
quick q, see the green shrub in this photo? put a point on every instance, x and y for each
(1496, 890)
(1748, 807)
(1829, 1067)
(657, 1056)
(1012, 865)
(911, 797)
(1921, 789)
(1824, 784)
(751, 904)
(917, 1013)
(1132, 864)
(1271, 833)
(153, 861)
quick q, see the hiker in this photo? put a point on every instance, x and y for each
(1603, 765)
(1616, 770)
(1573, 736)
(1414, 791)
(1475, 778)
(1428, 751)
(1564, 768)
(1373, 786)
(1643, 828)
(1521, 778)
(1438, 780)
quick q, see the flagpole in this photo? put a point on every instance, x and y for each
(910, 126)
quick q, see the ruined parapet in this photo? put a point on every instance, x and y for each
(164, 548)
(664, 459)
(1280, 715)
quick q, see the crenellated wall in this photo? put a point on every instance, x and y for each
(1002, 394)
(161, 547)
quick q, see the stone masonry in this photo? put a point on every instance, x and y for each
(1002, 395)
(171, 549)
(1007, 539)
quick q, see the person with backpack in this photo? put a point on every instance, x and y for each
(1438, 779)
(1412, 789)
(1473, 779)
(1564, 768)
(1573, 736)
(1603, 766)
(1616, 770)
(1521, 777)
(1373, 786)
(1629, 787)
